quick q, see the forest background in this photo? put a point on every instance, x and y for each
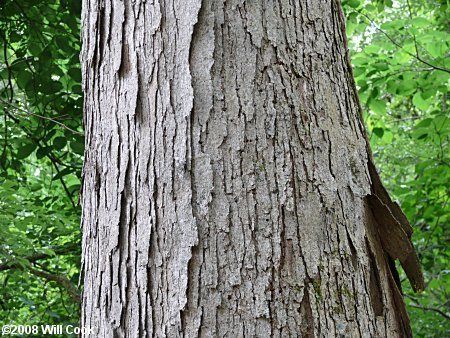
(400, 51)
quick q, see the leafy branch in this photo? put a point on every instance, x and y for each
(398, 45)
(50, 156)
(417, 305)
(62, 250)
(41, 116)
(55, 277)
(62, 280)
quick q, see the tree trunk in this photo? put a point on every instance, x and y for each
(228, 188)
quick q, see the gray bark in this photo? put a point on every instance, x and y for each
(226, 175)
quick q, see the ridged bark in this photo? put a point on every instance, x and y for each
(226, 179)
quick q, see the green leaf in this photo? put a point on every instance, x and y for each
(49, 251)
(52, 314)
(50, 87)
(378, 131)
(394, 24)
(35, 48)
(436, 49)
(419, 102)
(424, 123)
(392, 87)
(420, 22)
(26, 150)
(24, 78)
(77, 89)
(420, 133)
(75, 74)
(442, 123)
(354, 3)
(63, 43)
(402, 57)
(59, 142)
(381, 66)
(372, 49)
(388, 137)
(43, 151)
(77, 147)
(74, 188)
(62, 173)
(377, 106)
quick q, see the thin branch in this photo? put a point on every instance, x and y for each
(66, 189)
(62, 280)
(8, 66)
(32, 23)
(52, 158)
(58, 278)
(5, 145)
(5, 55)
(63, 250)
(444, 102)
(416, 56)
(426, 308)
(40, 116)
(414, 35)
(436, 223)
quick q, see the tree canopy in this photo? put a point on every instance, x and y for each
(40, 161)
(400, 55)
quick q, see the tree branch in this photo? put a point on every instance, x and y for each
(416, 56)
(41, 116)
(39, 256)
(50, 156)
(62, 280)
(426, 308)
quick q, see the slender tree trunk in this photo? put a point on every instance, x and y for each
(227, 175)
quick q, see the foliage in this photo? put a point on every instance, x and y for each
(400, 53)
(41, 148)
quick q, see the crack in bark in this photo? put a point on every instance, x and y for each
(376, 294)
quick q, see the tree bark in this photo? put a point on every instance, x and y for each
(227, 184)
